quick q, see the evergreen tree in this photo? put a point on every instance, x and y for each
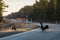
(2, 5)
(1, 9)
(39, 11)
(50, 11)
(58, 10)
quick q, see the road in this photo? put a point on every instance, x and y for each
(34, 35)
(53, 33)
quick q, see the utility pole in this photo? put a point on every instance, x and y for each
(26, 25)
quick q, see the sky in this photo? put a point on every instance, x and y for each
(16, 5)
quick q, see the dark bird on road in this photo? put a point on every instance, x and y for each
(43, 28)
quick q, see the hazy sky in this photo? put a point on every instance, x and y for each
(15, 5)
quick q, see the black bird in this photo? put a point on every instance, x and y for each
(44, 28)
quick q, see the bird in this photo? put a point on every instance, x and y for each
(44, 28)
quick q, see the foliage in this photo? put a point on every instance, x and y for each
(42, 10)
(1, 9)
(58, 10)
(50, 10)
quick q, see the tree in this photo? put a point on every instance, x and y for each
(1, 9)
(40, 9)
(50, 11)
(58, 10)
(2, 5)
(27, 10)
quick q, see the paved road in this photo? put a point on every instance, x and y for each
(35, 35)
(53, 33)
(52, 27)
(4, 34)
